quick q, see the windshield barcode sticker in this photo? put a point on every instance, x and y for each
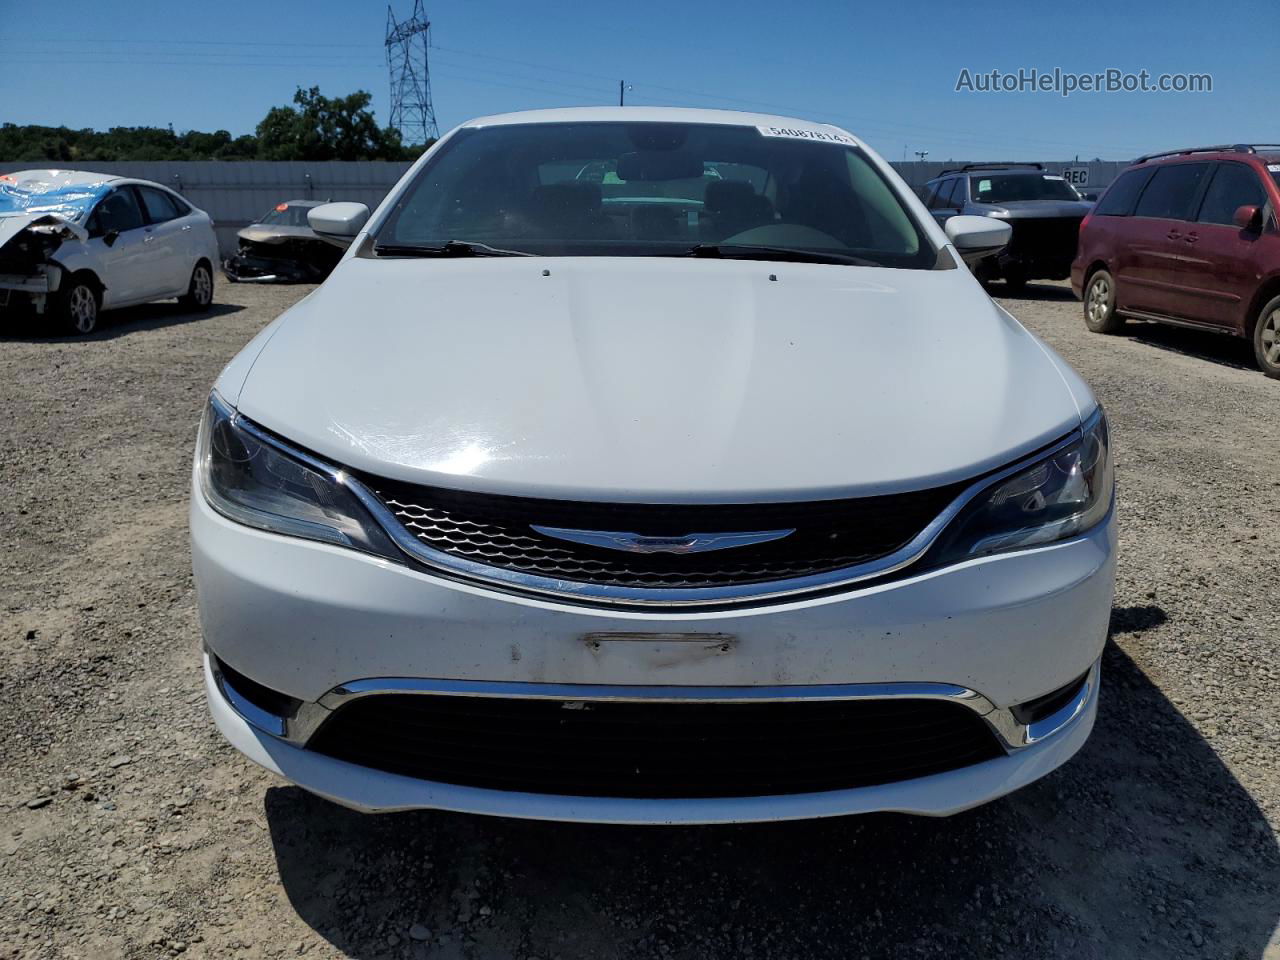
(800, 133)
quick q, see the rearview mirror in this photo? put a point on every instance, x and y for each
(1248, 218)
(338, 222)
(649, 166)
(110, 237)
(978, 237)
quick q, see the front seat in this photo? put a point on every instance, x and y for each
(569, 210)
(734, 206)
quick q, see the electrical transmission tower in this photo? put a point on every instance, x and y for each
(407, 44)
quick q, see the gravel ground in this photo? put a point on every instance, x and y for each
(131, 830)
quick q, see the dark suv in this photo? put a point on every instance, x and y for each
(1188, 237)
(1043, 209)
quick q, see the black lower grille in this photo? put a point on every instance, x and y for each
(498, 531)
(630, 749)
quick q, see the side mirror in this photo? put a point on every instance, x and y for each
(978, 237)
(110, 237)
(338, 222)
(1248, 218)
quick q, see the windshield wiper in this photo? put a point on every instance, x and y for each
(453, 248)
(751, 251)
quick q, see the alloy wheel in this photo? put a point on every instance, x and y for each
(83, 308)
(1271, 338)
(1099, 299)
(202, 286)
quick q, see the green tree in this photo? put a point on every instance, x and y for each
(315, 128)
(325, 128)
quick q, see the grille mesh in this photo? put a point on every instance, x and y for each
(497, 530)
(628, 749)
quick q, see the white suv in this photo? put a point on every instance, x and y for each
(653, 466)
(73, 244)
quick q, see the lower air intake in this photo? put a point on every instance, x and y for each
(636, 749)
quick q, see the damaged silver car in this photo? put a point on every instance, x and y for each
(282, 248)
(74, 243)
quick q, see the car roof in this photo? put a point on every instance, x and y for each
(1240, 151)
(976, 170)
(654, 115)
(57, 178)
(68, 178)
(1003, 171)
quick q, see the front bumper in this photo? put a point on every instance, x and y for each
(312, 622)
(29, 289)
(375, 791)
(245, 268)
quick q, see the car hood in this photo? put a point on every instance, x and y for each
(656, 379)
(1035, 209)
(275, 233)
(49, 227)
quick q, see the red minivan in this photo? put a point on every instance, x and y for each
(1188, 237)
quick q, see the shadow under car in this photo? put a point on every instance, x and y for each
(1143, 845)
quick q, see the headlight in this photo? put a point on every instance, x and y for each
(1061, 496)
(246, 477)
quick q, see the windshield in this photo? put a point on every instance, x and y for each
(288, 215)
(654, 189)
(1020, 186)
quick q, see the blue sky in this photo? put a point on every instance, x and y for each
(886, 70)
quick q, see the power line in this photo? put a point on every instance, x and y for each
(211, 43)
(205, 63)
(593, 90)
(601, 96)
(523, 63)
(899, 129)
(227, 59)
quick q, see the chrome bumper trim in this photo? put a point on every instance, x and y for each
(1013, 735)
(1018, 735)
(264, 720)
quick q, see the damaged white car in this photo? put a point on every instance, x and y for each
(73, 244)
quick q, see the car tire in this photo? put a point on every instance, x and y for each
(78, 304)
(1100, 304)
(199, 295)
(1266, 338)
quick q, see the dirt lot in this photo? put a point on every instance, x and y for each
(131, 830)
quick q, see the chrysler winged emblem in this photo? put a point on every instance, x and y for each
(638, 543)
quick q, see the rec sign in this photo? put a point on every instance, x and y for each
(1076, 176)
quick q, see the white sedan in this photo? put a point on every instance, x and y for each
(653, 466)
(73, 244)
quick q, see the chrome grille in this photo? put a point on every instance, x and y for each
(499, 531)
